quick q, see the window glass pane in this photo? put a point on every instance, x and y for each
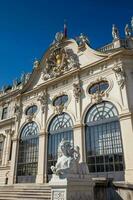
(103, 110)
(28, 153)
(4, 113)
(61, 100)
(103, 86)
(99, 87)
(31, 110)
(103, 140)
(1, 151)
(60, 127)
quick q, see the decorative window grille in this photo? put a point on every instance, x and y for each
(103, 139)
(28, 153)
(60, 127)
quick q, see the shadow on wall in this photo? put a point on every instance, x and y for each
(106, 190)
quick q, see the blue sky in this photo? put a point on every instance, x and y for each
(27, 27)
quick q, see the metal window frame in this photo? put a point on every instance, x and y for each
(108, 141)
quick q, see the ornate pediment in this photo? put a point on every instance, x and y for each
(59, 61)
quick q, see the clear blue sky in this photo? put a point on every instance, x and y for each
(27, 27)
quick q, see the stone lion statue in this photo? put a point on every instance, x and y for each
(68, 160)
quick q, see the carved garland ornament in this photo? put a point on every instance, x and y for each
(77, 91)
(29, 116)
(58, 109)
(59, 61)
(43, 98)
(17, 111)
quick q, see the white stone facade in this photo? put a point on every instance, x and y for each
(77, 68)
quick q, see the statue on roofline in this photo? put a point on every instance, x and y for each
(82, 40)
(127, 31)
(115, 32)
(132, 23)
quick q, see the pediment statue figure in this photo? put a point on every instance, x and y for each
(128, 31)
(115, 32)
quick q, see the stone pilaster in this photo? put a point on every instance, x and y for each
(12, 176)
(42, 158)
(8, 142)
(78, 139)
(127, 139)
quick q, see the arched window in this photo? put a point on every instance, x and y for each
(103, 139)
(28, 153)
(61, 100)
(99, 87)
(60, 127)
(31, 110)
(1, 147)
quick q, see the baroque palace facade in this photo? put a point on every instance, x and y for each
(76, 93)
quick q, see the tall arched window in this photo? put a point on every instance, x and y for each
(28, 154)
(103, 138)
(1, 147)
(60, 127)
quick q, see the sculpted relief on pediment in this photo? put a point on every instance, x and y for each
(59, 61)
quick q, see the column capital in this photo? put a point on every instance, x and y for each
(43, 133)
(124, 116)
(15, 139)
(78, 125)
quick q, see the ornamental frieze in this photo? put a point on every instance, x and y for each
(59, 61)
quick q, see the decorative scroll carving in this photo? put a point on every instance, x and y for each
(43, 98)
(29, 118)
(59, 109)
(59, 61)
(97, 97)
(120, 76)
(68, 160)
(77, 91)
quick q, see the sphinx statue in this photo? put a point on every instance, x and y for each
(68, 160)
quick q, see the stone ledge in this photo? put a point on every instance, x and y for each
(124, 185)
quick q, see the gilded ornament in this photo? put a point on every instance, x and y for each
(59, 61)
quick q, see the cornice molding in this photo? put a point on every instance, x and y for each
(7, 121)
(109, 56)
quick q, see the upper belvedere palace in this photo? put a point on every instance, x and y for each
(74, 92)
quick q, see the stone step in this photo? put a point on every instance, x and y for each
(25, 196)
(25, 192)
(22, 198)
(23, 189)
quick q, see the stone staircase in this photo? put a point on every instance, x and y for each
(25, 192)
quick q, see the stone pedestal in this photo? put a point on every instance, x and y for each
(74, 187)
